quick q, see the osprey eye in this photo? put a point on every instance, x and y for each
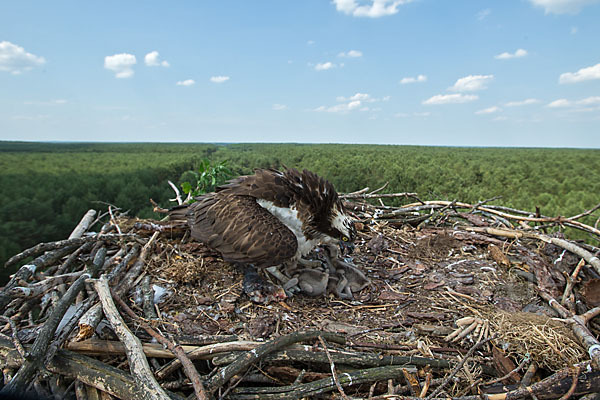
(345, 238)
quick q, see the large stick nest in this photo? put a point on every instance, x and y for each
(445, 278)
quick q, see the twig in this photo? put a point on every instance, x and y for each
(188, 366)
(113, 220)
(376, 196)
(15, 336)
(43, 247)
(514, 371)
(177, 194)
(30, 368)
(332, 367)
(321, 386)
(567, 395)
(245, 360)
(459, 366)
(571, 281)
(138, 363)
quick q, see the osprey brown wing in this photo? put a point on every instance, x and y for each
(241, 230)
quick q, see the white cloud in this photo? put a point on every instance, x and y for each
(506, 56)
(489, 110)
(414, 114)
(588, 101)
(310, 42)
(324, 66)
(574, 30)
(525, 102)
(410, 79)
(483, 14)
(369, 8)
(450, 99)
(472, 83)
(56, 102)
(560, 103)
(584, 74)
(562, 6)
(358, 96)
(340, 108)
(351, 54)
(279, 107)
(152, 59)
(219, 79)
(15, 59)
(121, 64)
(355, 102)
(187, 82)
(593, 100)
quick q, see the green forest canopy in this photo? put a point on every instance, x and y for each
(47, 187)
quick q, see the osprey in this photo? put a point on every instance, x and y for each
(276, 218)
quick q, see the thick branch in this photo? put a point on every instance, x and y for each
(138, 363)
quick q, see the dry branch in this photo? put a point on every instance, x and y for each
(36, 356)
(138, 363)
(243, 361)
(83, 225)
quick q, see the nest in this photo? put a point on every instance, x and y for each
(461, 301)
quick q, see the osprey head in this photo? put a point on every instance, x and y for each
(342, 229)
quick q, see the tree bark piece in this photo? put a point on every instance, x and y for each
(138, 363)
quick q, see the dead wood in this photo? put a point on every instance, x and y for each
(34, 362)
(243, 361)
(83, 225)
(138, 363)
(188, 367)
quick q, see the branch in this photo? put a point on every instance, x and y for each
(138, 364)
(30, 368)
(83, 225)
(243, 361)
(188, 367)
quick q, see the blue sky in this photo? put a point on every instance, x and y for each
(431, 72)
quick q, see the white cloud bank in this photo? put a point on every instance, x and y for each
(507, 56)
(121, 64)
(187, 82)
(562, 6)
(219, 79)
(279, 107)
(16, 60)
(472, 83)
(450, 99)
(410, 79)
(584, 74)
(152, 59)
(369, 8)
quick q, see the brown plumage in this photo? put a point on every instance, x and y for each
(271, 217)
